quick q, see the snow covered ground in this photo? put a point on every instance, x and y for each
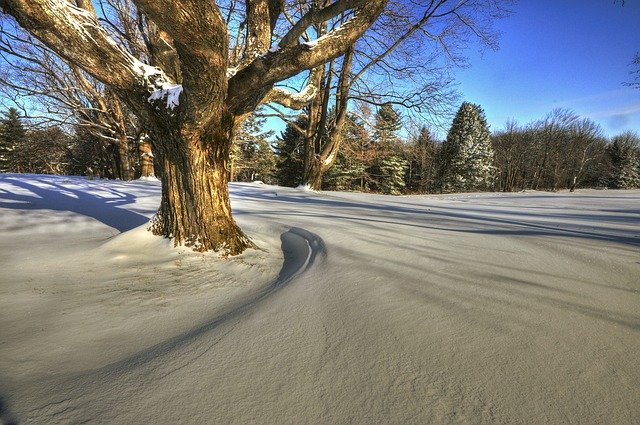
(469, 308)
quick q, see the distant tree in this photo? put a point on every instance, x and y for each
(251, 156)
(43, 151)
(356, 156)
(289, 149)
(348, 170)
(466, 155)
(392, 171)
(512, 147)
(624, 156)
(388, 152)
(386, 127)
(12, 135)
(421, 161)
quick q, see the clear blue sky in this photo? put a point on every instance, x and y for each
(559, 54)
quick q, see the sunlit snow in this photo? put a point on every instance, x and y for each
(462, 308)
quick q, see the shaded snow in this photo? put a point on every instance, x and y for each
(480, 308)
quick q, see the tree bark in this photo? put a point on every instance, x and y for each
(195, 209)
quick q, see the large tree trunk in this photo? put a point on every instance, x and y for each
(195, 209)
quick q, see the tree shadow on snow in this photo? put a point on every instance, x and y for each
(465, 219)
(56, 197)
(6, 418)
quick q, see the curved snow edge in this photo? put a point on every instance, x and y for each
(301, 249)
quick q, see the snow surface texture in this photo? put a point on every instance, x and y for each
(473, 308)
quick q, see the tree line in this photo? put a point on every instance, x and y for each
(72, 150)
(560, 151)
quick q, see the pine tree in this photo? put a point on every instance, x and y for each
(387, 172)
(251, 156)
(392, 170)
(288, 148)
(421, 156)
(347, 172)
(624, 155)
(12, 134)
(387, 124)
(466, 156)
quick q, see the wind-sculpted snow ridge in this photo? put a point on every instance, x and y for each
(76, 397)
(301, 249)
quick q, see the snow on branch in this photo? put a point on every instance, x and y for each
(292, 99)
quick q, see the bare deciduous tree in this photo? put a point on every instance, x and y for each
(403, 59)
(192, 99)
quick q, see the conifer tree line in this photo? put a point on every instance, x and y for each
(560, 151)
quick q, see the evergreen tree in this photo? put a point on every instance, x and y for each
(252, 158)
(421, 162)
(387, 124)
(347, 173)
(289, 149)
(12, 135)
(388, 168)
(392, 171)
(624, 156)
(466, 156)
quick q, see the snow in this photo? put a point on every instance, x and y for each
(231, 71)
(481, 308)
(169, 91)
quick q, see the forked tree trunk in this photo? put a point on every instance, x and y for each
(321, 152)
(195, 210)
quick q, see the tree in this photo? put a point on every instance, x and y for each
(467, 155)
(252, 157)
(392, 172)
(353, 158)
(288, 148)
(624, 157)
(43, 151)
(12, 135)
(421, 161)
(386, 173)
(190, 95)
(417, 42)
(388, 123)
(51, 90)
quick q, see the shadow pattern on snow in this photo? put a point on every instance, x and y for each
(56, 197)
(490, 221)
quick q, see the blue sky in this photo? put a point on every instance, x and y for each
(559, 54)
